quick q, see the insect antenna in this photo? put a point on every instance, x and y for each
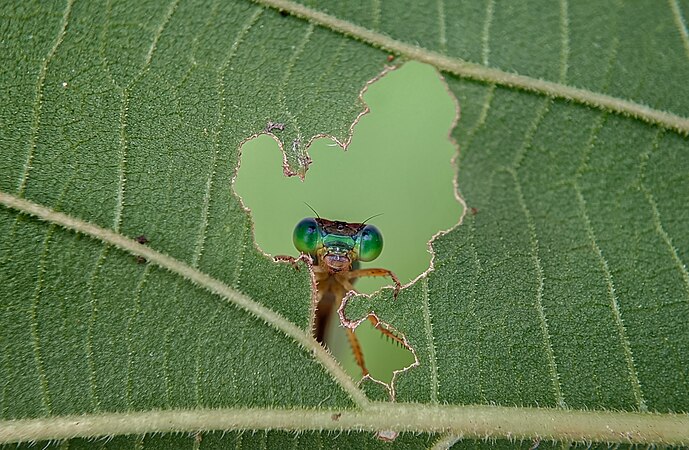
(372, 217)
(314, 211)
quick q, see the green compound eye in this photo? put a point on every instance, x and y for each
(306, 236)
(370, 243)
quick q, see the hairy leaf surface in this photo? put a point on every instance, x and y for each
(564, 286)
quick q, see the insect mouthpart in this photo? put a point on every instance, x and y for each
(337, 262)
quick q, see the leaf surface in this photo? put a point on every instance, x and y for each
(565, 285)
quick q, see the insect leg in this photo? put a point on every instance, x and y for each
(356, 349)
(377, 325)
(376, 273)
(292, 260)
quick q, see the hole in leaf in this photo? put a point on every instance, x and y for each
(398, 164)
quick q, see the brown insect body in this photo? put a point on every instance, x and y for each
(335, 248)
(335, 271)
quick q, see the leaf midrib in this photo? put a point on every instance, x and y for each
(474, 421)
(196, 276)
(480, 72)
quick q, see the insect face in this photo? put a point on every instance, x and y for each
(337, 244)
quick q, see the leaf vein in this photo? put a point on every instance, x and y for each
(481, 121)
(462, 68)
(564, 27)
(318, 88)
(542, 318)
(122, 166)
(631, 368)
(657, 220)
(475, 421)
(485, 34)
(681, 25)
(136, 309)
(103, 37)
(533, 237)
(446, 441)
(473, 303)
(237, 275)
(614, 303)
(166, 368)
(101, 48)
(376, 12)
(4, 274)
(442, 33)
(90, 357)
(428, 328)
(196, 277)
(205, 210)
(296, 54)
(124, 107)
(172, 7)
(35, 337)
(38, 98)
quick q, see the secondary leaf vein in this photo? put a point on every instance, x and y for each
(442, 35)
(533, 237)
(136, 309)
(159, 31)
(122, 179)
(203, 227)
(376, 11)
(296, 54)
(614, 304)
(38, 98)
(681, 25)
(657, 220)
(564, 29)
(90, 358)
(428, 328)
(485, 35)
(473, 306)
(33, 320)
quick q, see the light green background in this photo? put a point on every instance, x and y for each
(398, 164)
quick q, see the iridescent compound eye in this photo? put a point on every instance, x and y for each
(370, 243)
(306, 236)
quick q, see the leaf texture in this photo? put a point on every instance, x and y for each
(564, 286)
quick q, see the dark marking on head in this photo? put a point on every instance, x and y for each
(337, 227)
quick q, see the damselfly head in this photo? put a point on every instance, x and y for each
(337, 244)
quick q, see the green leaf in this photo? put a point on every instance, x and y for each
(562, 296)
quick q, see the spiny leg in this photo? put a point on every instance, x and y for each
(378, 326)
(292, 260)
(376, 273)
(374, 320)
(344, 280)
(356, 350)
